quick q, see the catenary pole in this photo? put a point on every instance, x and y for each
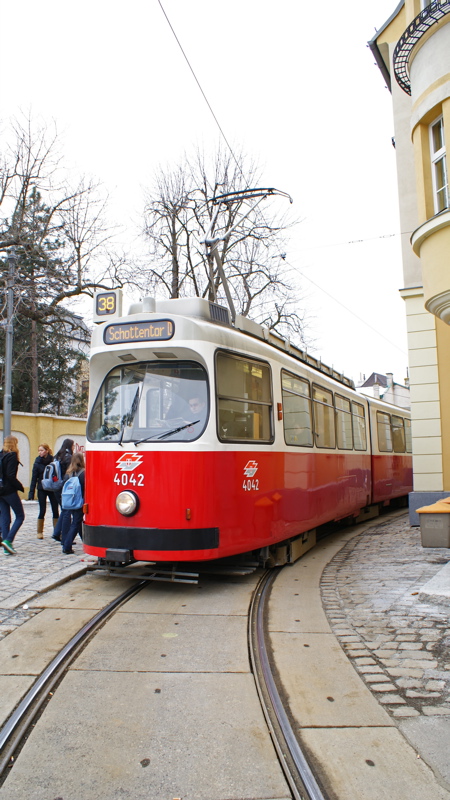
(9, 331)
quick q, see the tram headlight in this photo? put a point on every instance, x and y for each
(127, 503)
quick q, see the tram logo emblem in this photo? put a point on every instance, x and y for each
(129, 461)
(250, 469)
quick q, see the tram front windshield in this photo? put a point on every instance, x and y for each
(150, 401)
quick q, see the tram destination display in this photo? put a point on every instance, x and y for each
(157, 330)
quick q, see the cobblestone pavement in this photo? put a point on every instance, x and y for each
(398, 644)
(39, 563)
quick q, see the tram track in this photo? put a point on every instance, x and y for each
(294, 763)
(298, 774)
(14, 731)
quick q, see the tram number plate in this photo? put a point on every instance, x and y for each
(128, 480)
(250, 485)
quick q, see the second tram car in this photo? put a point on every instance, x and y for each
(207, 440)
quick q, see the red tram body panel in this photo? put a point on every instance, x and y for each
(286, 495)
(205, 441)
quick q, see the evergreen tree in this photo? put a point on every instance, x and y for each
(47, 365)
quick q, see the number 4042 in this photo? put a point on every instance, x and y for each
(250, 485)
(128, 480)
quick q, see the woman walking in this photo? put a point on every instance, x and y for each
(9, 499)
(64, 456)
(72, 503)
(45, 457)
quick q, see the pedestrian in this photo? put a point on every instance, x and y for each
(72, 503)
(64, 455)
(9, 498)
(45, 457)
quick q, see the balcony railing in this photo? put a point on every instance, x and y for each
(417, 28)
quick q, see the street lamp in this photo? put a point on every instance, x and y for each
(9, 331)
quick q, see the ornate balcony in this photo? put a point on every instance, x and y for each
(416, 29)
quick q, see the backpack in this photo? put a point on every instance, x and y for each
(51, 479)
(72, 494)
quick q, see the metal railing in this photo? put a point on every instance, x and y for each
(415, 30)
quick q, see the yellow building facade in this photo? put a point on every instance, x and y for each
(412, 50)
(35, 429)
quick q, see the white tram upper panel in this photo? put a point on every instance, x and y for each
(177, 371)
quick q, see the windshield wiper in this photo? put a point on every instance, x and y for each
(128, 418)
(167, 433)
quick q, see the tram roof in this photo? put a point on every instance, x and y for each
(200, 308)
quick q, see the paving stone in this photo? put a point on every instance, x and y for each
(38, 564)
(405, 712)
(408, 683)
(435, 685)
(384, 687)
(410, 646)
(391, 699)
(434, 711)
(369, 670)
(404, 636)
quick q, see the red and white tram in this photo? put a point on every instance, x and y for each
(206, 440)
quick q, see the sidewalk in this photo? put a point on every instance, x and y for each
(38, 566)
(387, 600)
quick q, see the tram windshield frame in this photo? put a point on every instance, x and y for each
(151, 401)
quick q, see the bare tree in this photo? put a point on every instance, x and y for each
(38, 206)
(180, 210)
(59, 236)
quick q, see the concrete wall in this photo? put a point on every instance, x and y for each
(35, 429)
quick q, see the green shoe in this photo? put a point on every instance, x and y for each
(8, 548)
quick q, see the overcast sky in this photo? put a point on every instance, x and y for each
(291, 83)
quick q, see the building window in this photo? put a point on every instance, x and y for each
(439, 165)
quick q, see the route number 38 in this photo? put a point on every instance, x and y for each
(106, 303)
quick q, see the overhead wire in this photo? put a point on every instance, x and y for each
(355, 241)
(347, 309)
(201, 89)
(358, 241)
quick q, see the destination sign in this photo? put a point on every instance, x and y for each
(157, 331)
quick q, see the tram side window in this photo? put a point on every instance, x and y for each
(398, 434)
(408, 437)
(297, 418)
(343, 423)
(324, 427)
(384, 432)
(244, 399)
(359, 427)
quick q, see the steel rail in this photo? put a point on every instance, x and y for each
(13, 731)
(294, 763)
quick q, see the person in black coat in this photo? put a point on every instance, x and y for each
(64, 456)
(9, 498)
(44, 458)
